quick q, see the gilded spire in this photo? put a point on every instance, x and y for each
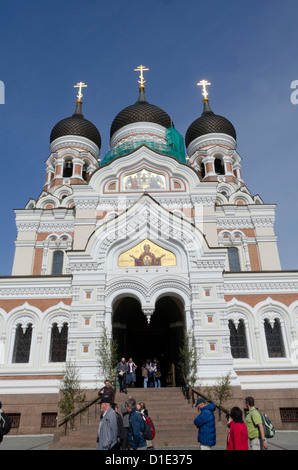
(78, 111)
(204, 83)
(141, 69)
(80, 85)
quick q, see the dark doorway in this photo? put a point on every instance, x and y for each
(161, 339)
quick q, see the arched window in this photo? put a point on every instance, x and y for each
(234, 262)
(219, 167)
(202, 170)
(85, 171)
(274, 338)
(58, 347)
(238, 340)
(57, 264)
(22, 345)
(67, 169)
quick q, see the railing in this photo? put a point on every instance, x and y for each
(72, 415)
(191, 394)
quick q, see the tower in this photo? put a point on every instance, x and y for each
(75, 145)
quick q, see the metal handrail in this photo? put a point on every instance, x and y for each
(76, 413)
(189, 392)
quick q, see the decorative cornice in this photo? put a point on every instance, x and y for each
(25, 292)
(241, 288)
(63, 226)
(87, 203)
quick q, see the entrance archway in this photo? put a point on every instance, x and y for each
(162, 338)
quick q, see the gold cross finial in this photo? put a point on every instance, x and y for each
(80, 85)
(204, 83)
(141, 69)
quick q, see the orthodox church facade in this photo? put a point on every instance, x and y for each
(149, 244)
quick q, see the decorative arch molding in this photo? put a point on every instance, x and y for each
(293, 314)
(131, 288)
(145, 157)
(147, 295)
(270, 305)
(59, 314)
(147, 219)
(25, 310)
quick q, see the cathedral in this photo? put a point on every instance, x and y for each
(155, 241)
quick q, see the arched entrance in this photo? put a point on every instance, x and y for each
(162, 338)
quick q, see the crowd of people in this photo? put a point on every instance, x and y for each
(151, 374)
(243, 434)
(121, 429)
(124, 431)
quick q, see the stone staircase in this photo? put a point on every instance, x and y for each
(171, 414)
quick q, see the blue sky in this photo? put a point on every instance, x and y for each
(246, 49)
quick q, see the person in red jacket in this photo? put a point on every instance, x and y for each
(237, 437)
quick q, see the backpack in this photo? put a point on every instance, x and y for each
(149, 430)
(5, 424)
(269, 430)
(268, 426)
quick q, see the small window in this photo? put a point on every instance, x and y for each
(202, 170)
(49, 420)
(234, 262)
(219, 167)
(274, 338)
(58, 347)
(57, 264)
(289, 415)
(238, 340)
(22, 345)
(67, 169)
(15, 419)
(85, 171)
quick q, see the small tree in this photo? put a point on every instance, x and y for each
(72, 395)
(107, 357)
(188, 359)
(222, 391)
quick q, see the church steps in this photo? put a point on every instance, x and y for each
(172, 416)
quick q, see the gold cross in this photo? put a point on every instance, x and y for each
(141, 69)
(203, 83)
(80, 85)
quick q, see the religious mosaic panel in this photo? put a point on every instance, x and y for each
(144, 179)
(147, 253)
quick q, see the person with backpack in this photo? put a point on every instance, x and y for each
(144, 412)
(5, 423)
(136, 426)
(255, 428)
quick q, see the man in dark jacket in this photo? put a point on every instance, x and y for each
(205, 422)
(107, 392)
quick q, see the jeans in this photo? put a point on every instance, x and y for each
(157, 382)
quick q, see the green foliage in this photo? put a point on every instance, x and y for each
(188, 359)
(73, 396)
(221, 392)
(107, 357)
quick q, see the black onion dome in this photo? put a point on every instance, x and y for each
(76, 125)
(141, 111)
(209, 123)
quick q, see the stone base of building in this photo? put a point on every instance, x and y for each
(38, 413)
